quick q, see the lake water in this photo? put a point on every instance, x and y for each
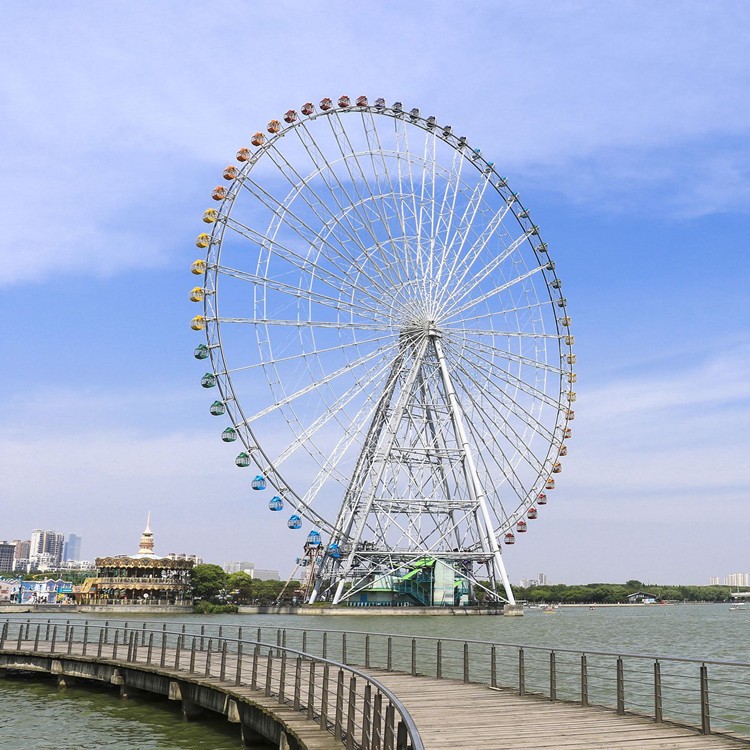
(38, 715)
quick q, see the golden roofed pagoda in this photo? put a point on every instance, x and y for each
(141, 579)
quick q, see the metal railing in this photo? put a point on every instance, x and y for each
(356, 708)
(710, 695)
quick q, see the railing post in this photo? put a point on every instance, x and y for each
(4, 634)
(552, 676)
(439, 661)
(208, 658)
(178, 651)
(114, 644)
(338, 715)
(297, 682)
(366, 717)
(367, 651)
(521, 673)
(324, 698)
(466, 662)
(620, 686)
(150, 650)
(414, 657)
(493, 666)
(584, 681)
(238, 673)
(282, 677)
(269, 668)
(705, 712)
(85, 635)
(203, 633)
(377, 722)
(46, 631)
(343, 648)
(254, 675)
(657, 692)
(350, 713)
(101, 643)
(389, 731)
(70, 640)
(223, 669)
(20, 636)
(278, 641)
(325, 645)
(54, 638)
(311, 690)
(163, 655)
(36, 639)
(304, 641)
(389, 660)
(402, 740)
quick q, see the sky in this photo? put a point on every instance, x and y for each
(625, 127)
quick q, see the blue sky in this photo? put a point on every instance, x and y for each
(624, 127)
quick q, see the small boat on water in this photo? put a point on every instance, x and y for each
(737, 607)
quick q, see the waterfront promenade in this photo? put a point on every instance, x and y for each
(307, 701)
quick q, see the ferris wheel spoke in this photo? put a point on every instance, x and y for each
(506, 468)
(299, 292)
(447, 212)
(491, 293)
(308, 324)
(511, 356)
(512, 406)
(378, 157)
(342, 138)
(342, 219)
(363, 417)
(284, 214)
(492, 370)
(457, 242)
(319, 159)
(318, 383)
(504, 334)
(403, 157)
(536, 305)
(303, 355)
(329, 464)
(295, 259)
(464, 288)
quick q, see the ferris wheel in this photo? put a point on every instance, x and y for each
(389, 339)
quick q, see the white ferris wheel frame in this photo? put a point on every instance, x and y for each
(368, 291)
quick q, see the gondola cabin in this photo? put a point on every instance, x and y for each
(532, 514)
(521, 526)
(294, 522)
(510, 538)
(541, 499)
(276, 503)
(259, 483)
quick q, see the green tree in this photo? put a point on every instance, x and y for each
(208, 581)
(241, 586)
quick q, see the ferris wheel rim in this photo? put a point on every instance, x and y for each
(214, 321)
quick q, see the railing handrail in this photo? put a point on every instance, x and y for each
(526, 647)
(413, 731)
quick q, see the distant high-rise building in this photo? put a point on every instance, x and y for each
(737, 579)
(7, 556)
(265, 575)
(46, 548)
(542, 578)
(72, 548)
(714, 581)
(239, 565)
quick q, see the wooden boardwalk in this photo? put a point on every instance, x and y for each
(449, 714)
(452, 715)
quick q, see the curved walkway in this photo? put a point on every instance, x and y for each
(452, 715)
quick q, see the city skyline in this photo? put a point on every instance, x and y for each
(628, 147)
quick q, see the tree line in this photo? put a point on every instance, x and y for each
(617, 593)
